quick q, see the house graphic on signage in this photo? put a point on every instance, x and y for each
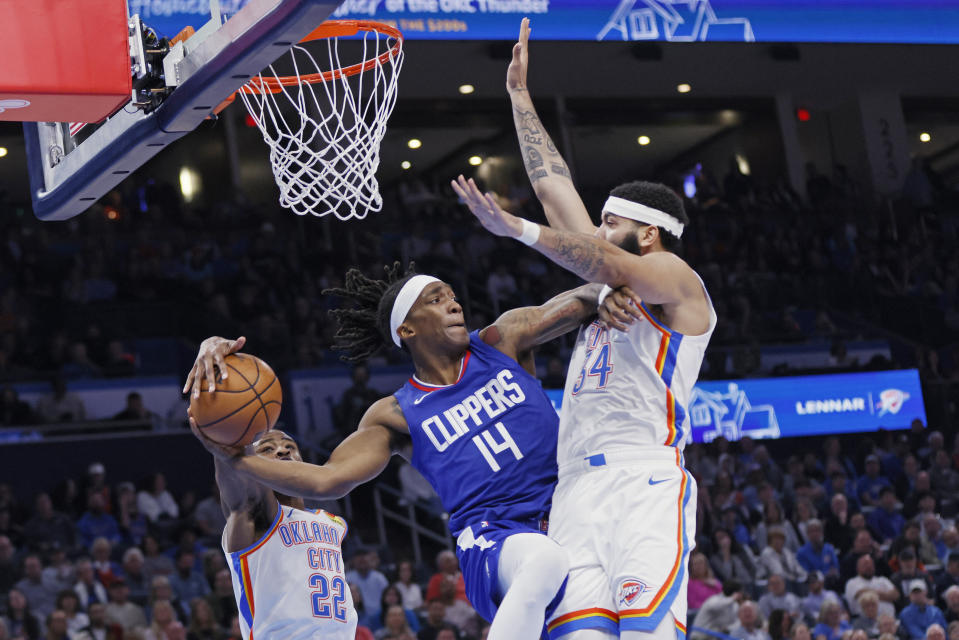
(729, 414)
(673, 21)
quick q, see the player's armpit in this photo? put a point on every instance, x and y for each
(527, 360)
(519, 330)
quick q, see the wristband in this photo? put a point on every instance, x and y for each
(605, 291)
(530, 233)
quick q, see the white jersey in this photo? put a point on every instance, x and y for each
(291, 583)
(629, 389)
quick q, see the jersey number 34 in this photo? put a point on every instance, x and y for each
(597, 364)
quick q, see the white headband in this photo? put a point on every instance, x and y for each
(404, 301)
(641, 213)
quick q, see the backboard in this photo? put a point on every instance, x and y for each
(175, 86)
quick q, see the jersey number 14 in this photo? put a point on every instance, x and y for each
(489, 447)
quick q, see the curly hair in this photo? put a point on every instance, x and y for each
(658, 196)
(364, 328)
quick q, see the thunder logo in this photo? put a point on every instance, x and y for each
(629, 591)
(890, 401)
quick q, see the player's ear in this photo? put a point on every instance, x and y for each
(648, 234)
(406, 331)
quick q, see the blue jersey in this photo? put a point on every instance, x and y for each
(487, 443)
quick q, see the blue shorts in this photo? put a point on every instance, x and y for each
(478, 548)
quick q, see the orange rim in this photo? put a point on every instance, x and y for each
(332, 29)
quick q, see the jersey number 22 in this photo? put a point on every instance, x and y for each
(322, 608)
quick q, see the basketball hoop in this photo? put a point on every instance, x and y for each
(324, 127)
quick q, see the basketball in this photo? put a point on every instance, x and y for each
(246, 403)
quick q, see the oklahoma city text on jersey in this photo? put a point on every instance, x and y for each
(298, 532)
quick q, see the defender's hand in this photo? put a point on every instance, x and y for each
(212, 352)
(620, 309)
(487, 210)
(516, 72)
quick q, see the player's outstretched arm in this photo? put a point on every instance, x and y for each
(548, 172)
(657, 278)
(519, 330)
(358, 459)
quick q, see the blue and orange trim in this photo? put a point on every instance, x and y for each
(595, 618)
(241, 566)
(649, 617)
(428, 387)
(666, 366)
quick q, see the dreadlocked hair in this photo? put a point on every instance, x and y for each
(364, 328)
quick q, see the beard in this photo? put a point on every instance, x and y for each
(631, 244)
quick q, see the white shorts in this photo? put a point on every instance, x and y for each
(627, 519)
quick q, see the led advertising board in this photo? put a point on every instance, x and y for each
(801, 406)
(876, 21)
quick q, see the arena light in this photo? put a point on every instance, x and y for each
(684, 88)
(743, 164)
(189, 183)
(475, 161)
(467, 89)
(643, 140)
(728, 116)
(406, 164)
(3, 151)
(924, 137)
(414, 143)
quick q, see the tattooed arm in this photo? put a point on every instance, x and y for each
(517, 331)
(548, 172)
(659, 277)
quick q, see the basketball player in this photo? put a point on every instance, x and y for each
(483, 432)
(624, 506)
(286, 561)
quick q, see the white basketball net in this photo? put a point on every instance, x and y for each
(325, 136)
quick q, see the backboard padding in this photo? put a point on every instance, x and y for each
(245, 44)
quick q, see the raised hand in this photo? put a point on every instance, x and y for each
(212, 351)
(620, 309)
(484, 206)
(516, 72)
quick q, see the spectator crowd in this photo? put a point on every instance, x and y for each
(827, 545)
(82, 300)
(816, 543)
(821, 544)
